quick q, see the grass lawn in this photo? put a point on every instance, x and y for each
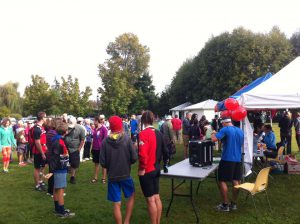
(20, 203)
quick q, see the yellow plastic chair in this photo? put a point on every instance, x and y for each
(279, 156)
(260, 185)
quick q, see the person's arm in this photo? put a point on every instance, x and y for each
(215, 136)
(81, 138)
(143, 154)
(133, 153)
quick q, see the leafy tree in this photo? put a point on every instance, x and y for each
(295, 41)
(4, 112)
(10, 97)
(227, 63)
(70, 98)
(128, 61)
(37, 96)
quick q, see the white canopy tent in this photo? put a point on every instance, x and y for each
(280, 91)
(206, 108)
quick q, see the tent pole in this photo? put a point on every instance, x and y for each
(243, 153)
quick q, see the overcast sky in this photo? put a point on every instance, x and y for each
(69, 37)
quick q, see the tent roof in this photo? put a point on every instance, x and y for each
(282, 90)
(181, 107)
(252, 85)
(208, 104)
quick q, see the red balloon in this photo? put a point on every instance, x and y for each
(225, 113)
(231, 104)
(239, 114)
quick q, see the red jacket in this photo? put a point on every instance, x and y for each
(176, 122)
(147, 150)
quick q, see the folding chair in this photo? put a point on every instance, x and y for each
(260, 185)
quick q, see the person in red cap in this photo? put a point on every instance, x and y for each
(117, 155)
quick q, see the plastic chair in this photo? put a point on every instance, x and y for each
(279, 157)
(259, 186)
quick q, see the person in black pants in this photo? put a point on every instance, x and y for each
(285, 125)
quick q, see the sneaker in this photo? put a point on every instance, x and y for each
(5, 171)
(22, 164)
(38, 188)
(66, 214)
(232, 206)
(72, 180)
(222, 208)
(43, 186)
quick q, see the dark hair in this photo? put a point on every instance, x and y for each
(195, 121)
(41, 115)
(147, 117)
(3, 122)
(176, 115)
(61, 127)
(268, 127)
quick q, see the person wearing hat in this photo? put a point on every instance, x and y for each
(230, 166)
(74, 141)
(116, 155)
(168, 135)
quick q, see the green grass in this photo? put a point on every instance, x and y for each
(20, 203)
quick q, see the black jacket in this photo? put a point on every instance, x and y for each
(117, 156)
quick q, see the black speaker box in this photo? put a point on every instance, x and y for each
(201, 153)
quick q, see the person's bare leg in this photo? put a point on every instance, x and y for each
(152, 209)
(73, 172)
(224, 191)
(235, 192)
(96, 173)
(159, 207)
(36, 176)
(129, 208)
(104, 174)
(117, 212)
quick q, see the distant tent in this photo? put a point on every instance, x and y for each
(179, 109)
(206, 108)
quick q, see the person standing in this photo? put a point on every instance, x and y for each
(151, 150)
(230, 167)
(7, 140)
(133, 128)
(117, 155)
(74, 141)
(99, 134)
(186, 125)
(177, 125)
(88, 139)
(39, 151)
(58, 154)
(168, 135)
(297, 129)
(285, 124)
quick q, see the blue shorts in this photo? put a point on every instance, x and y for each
(60, 180)
(114, 189)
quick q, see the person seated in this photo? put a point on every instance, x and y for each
(258, 136)
(270, 142)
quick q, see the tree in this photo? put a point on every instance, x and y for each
(10, 97)
(227, 63)
(295, 41)
(37, 96)
(128, 61)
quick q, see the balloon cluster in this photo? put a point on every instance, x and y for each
(234, 110)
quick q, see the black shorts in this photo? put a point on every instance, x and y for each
(133, 138)
(298, 139)
(150, 183)
(38, 161)
(74, 159)
(96, 156)
(229, 171)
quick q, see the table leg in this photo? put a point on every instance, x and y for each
(192, 201)
(172, 196)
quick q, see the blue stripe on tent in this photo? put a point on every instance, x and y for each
(245, 89)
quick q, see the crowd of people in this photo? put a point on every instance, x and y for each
(62, 143)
